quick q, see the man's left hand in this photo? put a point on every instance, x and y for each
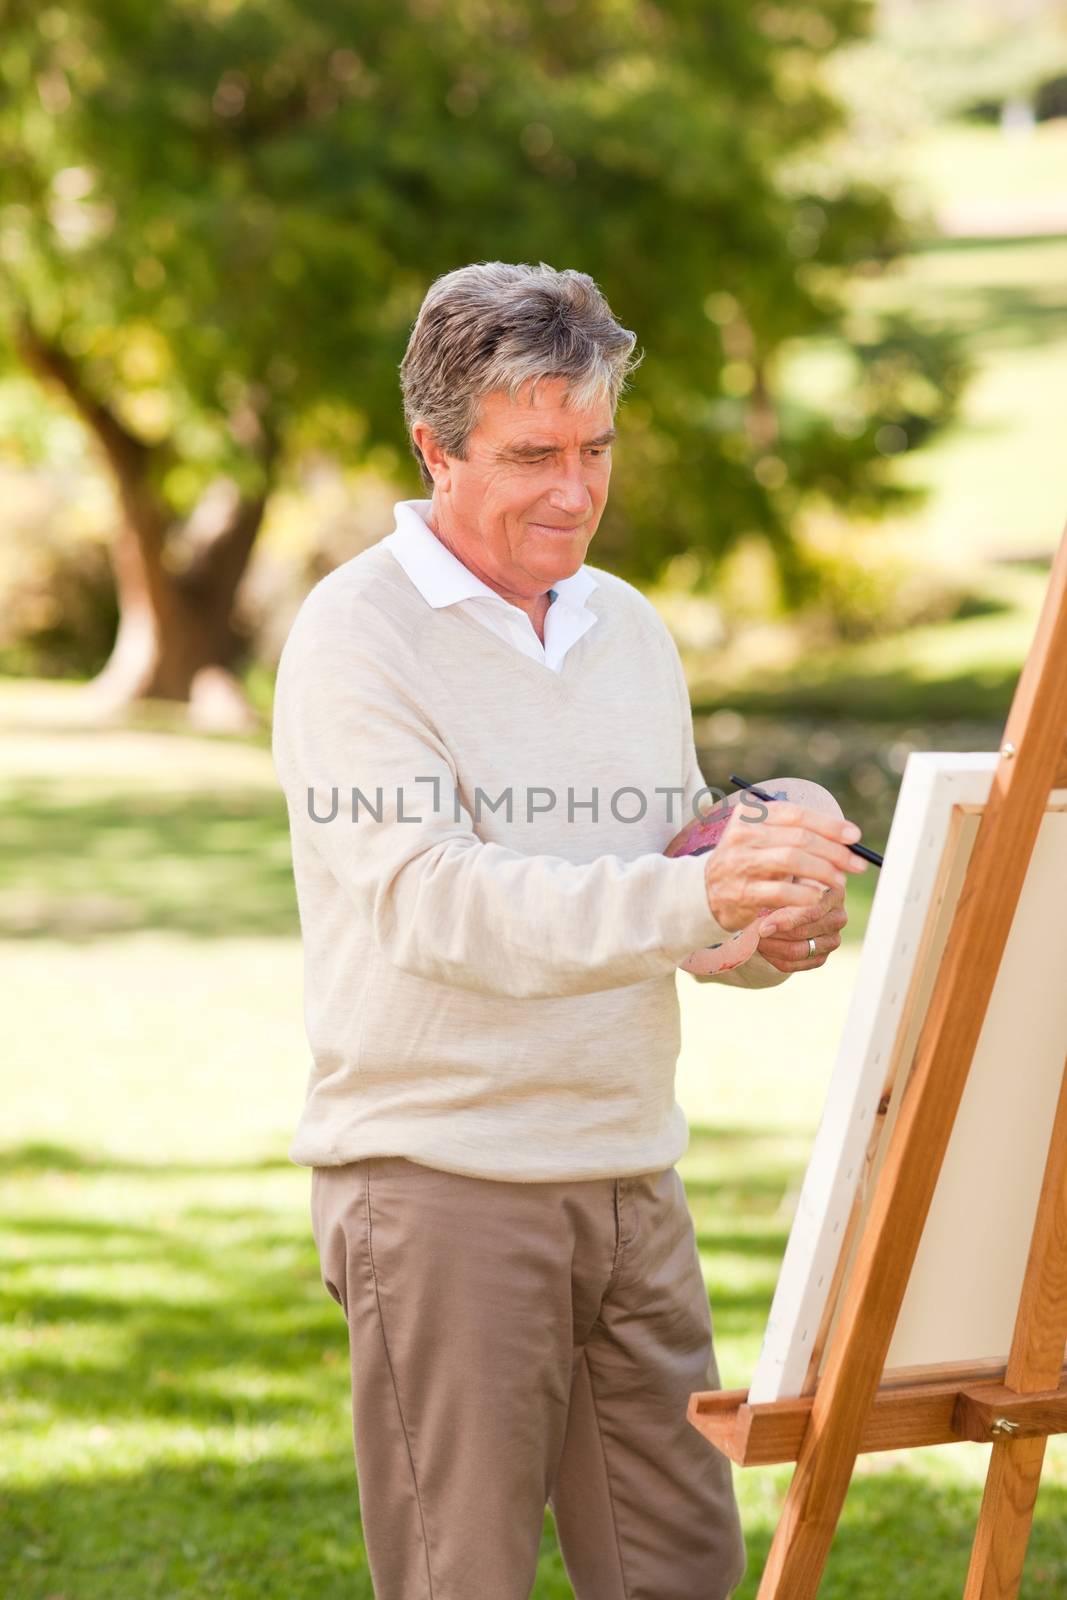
(787, 948)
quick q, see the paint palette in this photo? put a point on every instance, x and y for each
(704, 833)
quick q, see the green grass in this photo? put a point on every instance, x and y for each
(998, 480)
(173, 1376)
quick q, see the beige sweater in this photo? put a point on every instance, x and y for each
(488, 993)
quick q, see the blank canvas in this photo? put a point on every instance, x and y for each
(963, 1292)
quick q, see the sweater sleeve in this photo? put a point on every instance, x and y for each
(756, 972)
(350, 736)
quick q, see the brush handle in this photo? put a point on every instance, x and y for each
(857, 849)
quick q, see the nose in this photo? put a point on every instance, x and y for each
(569, 494)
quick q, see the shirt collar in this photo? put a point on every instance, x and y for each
(442, 579)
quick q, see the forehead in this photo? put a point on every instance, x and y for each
(540, 412)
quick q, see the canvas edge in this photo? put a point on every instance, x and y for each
(932, 784)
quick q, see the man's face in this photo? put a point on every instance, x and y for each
(523, 507)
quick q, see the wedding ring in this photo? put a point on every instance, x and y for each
(811, 947)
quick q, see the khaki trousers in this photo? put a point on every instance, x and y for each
(521, 1344)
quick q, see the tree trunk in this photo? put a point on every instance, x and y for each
(176, 638)
(175, 641)
(761, 413)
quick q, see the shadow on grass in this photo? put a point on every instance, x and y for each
(896, 693)
(1007, 317)
(273, 1526)
(176, 1394)
(285, 1526)
(280, 1527)
(79, 865)
(38, 1156)
(177, 1397)
(740, 1184)
(900, 1538)
(152, 1363)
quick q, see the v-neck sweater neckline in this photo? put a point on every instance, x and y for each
(555, 683)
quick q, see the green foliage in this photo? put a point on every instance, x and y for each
(59, 613)
(964, 668)
(226, 217)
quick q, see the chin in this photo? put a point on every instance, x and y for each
(564, 546)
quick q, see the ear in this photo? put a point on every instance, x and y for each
(437, 463)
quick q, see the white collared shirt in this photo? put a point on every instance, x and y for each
(443, 580)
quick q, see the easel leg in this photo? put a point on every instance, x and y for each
(1034, 1364)
(806, 1529)
(1004, 1522)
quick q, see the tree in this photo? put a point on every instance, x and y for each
(218, 224)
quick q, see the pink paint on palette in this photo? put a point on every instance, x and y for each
(704, 833)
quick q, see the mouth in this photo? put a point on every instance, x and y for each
(547, 527)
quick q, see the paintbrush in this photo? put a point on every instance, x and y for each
(761, 794)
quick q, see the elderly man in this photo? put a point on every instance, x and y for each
(485, 745)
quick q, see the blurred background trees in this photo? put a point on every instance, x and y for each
(1005, 60)
(218, 223)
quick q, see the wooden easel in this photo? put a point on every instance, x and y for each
(853, 1408)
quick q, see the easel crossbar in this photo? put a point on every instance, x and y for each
(903, 1417)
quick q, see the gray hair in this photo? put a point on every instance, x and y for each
(497, 326)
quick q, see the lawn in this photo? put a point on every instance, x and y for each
(175, 1384)
(174, 1390)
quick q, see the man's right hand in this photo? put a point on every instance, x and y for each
(752, 869)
